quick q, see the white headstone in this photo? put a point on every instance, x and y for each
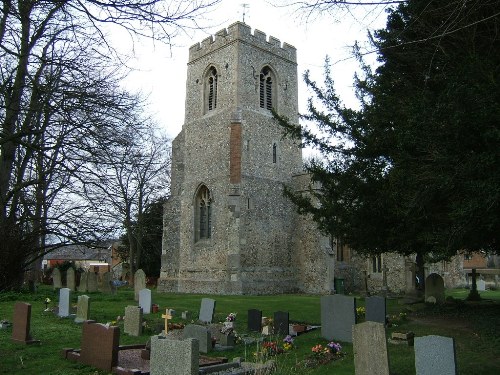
(145, 301)
(481, 285)
(64, 302)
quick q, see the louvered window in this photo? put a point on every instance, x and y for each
(211, 89)
(266, 88)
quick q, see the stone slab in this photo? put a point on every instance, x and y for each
(174, 357)
(370, 349)
(376, 310)
(21, 323)
(99, 345)
(132, 324)
(435, 355)
(201, 334)
(207, 310)
(338, 315)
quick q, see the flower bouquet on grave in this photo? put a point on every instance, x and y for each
(288, 343)
(323, 354)
(46, 302)
(230, 322)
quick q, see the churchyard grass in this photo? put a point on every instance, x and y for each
(473, 325)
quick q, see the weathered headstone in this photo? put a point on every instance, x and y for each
(92, 282)
(82, 309)
(434, 287)
(281, 323)
(82, 288)
(435, 355)
(375, 309)
(70, 279)
(338, 315)
(370, 349)
(174, 357)
(145, 301)
(56, 278)
(481, 285)
(99, 345)
(21, 324)
(107, 279)
(254, 320)
(133, 321)
(139, 283)
(207, 310)
(64, 302)
(227, 340)
(201, 334)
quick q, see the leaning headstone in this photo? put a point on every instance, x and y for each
(99, 345)
(174, 357)
(82, 288)
(107, 278)
(338, 315)
(82, 309)
(64, 302)
(133, 321)
(207, 310)
(21, 324)
(481, 285)
(70, 279)
(375, 309)
(370, 349)
(145, 301)
(254, 320)
(434, 287)
(92, 282)
(56, 278)
(281, 323)
(139, 283)
(435, 355)
(201, 334)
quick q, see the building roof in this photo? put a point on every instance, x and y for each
(79, 252)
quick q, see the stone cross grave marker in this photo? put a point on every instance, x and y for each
(281, 322)
(254, 320)
(92, 282)
(21, 324)
(99, 345)
(139, 283)
(435, 355)
(82, 309)
(56, 278)
(370, 349)
(167, 316)
(133, 321)
(201, 334)
(338, 315)
(376, 309)
(207, 310)
(145, 300)
(64, 302)
(481, 285)
(70, 279)
(174, 357)
(434, 287)
(82, 288)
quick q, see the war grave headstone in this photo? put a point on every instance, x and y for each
(481, 285)
(338, 315)
(92, 282)
(254, 321)
(200, 333)
(82, 309)
(434, 288)
(133, 321)
(82, 288)
(70, 279)
(207, 310)
(145, 301)
(21, 324)
(376, 310)
(64, 302)
(370, 349)
(56, 278)
(281, 323)
(107, 279)
(435, 355)
(174, 357)
(99, 345)
(139, 283)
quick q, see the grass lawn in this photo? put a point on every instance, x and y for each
(475, 327)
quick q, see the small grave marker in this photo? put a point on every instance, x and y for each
(481, 285)
(434, 287)
(21, 324)
(167, 316)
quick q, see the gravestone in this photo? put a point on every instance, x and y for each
(139, 283)
(435, 355)
(254, 320)
(70, 279)
(99, 345)
(82, 288)
(133, 321)
(64, 302)
(481, 285)
(56, 278)
(145, 301)
(21, 324)
(174, 357)
(434, 287)
(227, 340)
(82, 309)
(207, 310)
(201, 334)
(107, 279)
(281, 323)
(375, 309)
(410, 280)
(92, 282)
(370, 349)
(338, 315)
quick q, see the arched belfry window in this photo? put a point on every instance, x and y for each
(203, 214)
(211, 89)
(267, 82)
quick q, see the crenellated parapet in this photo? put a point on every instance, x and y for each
(239, 31)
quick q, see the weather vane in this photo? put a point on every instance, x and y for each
(245, 6)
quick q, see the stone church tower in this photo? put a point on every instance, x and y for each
(228, 229)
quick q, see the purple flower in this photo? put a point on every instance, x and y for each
(288, 339)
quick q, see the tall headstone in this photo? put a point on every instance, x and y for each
(281, 323)
(82, 309)
(254, 320)
(21, 324)
(370, 349)
(201, 334)
(174, 357)
(70, 279)
(64, 302)
(133, 321)
(139, 283)
(435, 355)
(434, 287)
(376, 310)
(410, 273)
(99, 345)
(145, 301)
(338, 315)
(56, 278)
(107, 279)
(207, 310)
(82, 288)
(92, 282)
